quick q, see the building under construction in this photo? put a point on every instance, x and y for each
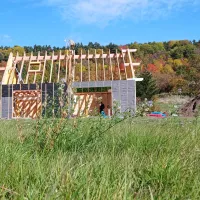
(28, 81)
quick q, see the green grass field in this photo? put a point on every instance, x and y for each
(135, 159)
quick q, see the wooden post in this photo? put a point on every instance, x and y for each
(59, 68)
(70, 67)
(88, 66)
(118, 65)
(22, 65)
(51, 67)
(12, 73)
(104, 73)
(29, 66)
(111, 66)
(35, 75)
(131, 63)
(66, 66)
(74, 66)
(124, 64)
(44, 67)
(96, 65)
(81, 67)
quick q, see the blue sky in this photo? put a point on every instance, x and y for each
(29, 22)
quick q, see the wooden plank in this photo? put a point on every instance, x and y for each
(88, 66)
(74, 66)
(2, 68)
(124, 65)
(70, 68)
(59, 68)
(51, 71)
(66, 66)
(12, 75)
(22, 65)
(81, 67)
(131, 63)
(27, 75)
(44, 67)
(118, 65)
(77, 57)
(104, 72)
(96, 65)
(111, 66)
(35, 74)
(36, 63)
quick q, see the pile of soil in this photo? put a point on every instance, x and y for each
(191, 108)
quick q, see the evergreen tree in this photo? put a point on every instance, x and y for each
(146, 88)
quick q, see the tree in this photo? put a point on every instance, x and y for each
(18, 49)
(167, 69)
(163, 82)
(146, 88)
(1, 56)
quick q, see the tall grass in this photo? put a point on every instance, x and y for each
(135, 159)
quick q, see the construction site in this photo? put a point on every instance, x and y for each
(28, 81)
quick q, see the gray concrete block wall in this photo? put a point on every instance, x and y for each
(7, 107)
(131, 94)
(6, 101)
(6, 104)
(123, 91)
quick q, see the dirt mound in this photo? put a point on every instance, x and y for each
(191, 108)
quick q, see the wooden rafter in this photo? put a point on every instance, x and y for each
(70, 59)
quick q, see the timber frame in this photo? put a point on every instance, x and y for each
(109, 66)
(39, 74)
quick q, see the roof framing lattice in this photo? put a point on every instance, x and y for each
(95, 66)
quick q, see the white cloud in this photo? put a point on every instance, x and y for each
(4, 39)
(105, 11)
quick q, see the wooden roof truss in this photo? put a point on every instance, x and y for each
(79, 68)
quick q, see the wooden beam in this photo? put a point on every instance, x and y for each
(12, 78)
(124, 65)
(118, 65)
(29, 66)
(88, 66)
(96, 70)
(58, 79)
(66, 67)
(35, 74)
(44, 67)
(104, 73)
(70, 67)
(131, 63)
(51, 71)
(76, 57)
(74, 66)
(2, 68)
(22, 65)
(111, 66)
(81, 67)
